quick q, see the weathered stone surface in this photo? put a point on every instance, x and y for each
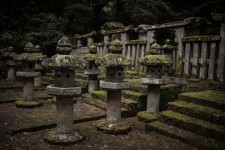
(92, 72)
(59, 91)
(154, 60)
(114, 86)
(147, 117)
(113, 60)
(113, 128)
(27, 74)
(54, 137)
(152, 81)
(27, 104)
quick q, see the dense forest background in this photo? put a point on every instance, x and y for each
(45, 21)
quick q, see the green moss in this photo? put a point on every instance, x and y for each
(30, 57)
(208, 125)
(111, 60)
(99, 44)
(154, 60)
(201, 38)
(64, 61)
(106, 32)
(77, 36)
(132, 80)
(194, 80)
(99, 95)
(135, 42)
(156, 124)
(147, 117)
(28, 104)
(90, 57)
(207, 95)
(136, 96)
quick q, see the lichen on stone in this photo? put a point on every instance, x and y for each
(111, 60)
(90, 57)
(64, 61)
(136, 42)
(154, 60)
(93, 49)
(116, 47)
(31, 57)
(201, 38)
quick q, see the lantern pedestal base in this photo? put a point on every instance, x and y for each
(53, 137)
(113, 128)
(27, 104)
(147, 116)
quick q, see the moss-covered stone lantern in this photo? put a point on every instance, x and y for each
(9, 57)
(38, 67)
(154, 49)
(154, 79)
(169, 51)
(28, 59)
(91, 70)
(64, 90)
(114, 63)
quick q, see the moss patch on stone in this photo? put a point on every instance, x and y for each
(30, 57)
(113, 128)
(136, 42)
(64, 61)
(147, 117)
(201, 38)
(90, 57)
(207, 95)
(154, 60)
(112, 60)
(27, 104)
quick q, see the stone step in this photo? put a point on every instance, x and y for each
(185, 136)
(215, 99)
(198, 111)
(129, 108)
(198, 126)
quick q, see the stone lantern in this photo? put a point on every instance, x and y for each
(154, 79)
(169, 51)
(64, 90)
(28, 59)
(91, 70)
(114, 63)
(38, 67)
(155, 49)
(10, 56)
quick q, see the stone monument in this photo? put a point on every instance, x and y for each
(64, 90)
(154, 79)
(28, 59)
(91, 70)
(9, 57)
(114, 63)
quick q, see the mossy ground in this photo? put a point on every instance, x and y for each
(135, 139)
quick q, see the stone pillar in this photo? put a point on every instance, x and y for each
(154, 79)
(124, 39)
(106, 42)
(92, 69)
(179, 34)
(64, 90)
(114, 63)
(28, 74)
(114, 106)
(9, 57)
(221, 59)
(150, 38)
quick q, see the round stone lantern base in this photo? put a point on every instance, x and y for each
(27, 104)
(146, 116)
(113, 128)
(56, 138)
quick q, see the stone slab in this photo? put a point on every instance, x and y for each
(152, 81)
(114, 86)
(59, 91)
(19, 120)
(27, 74)
(92, 72)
